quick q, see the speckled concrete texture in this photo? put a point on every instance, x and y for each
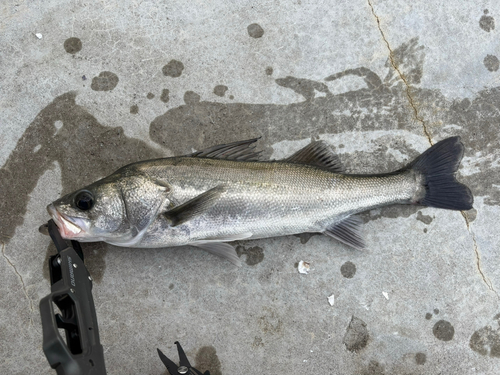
(89, 86)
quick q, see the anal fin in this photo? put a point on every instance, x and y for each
(348, 231)
(222, 250)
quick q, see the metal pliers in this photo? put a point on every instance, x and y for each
(184, 367)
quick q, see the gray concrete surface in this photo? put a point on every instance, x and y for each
(378, 80)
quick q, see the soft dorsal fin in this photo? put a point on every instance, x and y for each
(317, 153)
(348, 231)
(241, 150)
(193, 207)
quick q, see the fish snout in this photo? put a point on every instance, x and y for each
(67, 228)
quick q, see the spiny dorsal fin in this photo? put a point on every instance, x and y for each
(193, 207)
(348, 231)
(317, 153)
(241, 150)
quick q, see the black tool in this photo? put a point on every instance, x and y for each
(184, 367)
(80, 351)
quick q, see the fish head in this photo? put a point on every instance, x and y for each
(115, 210)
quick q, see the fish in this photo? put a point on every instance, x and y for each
(226, 193)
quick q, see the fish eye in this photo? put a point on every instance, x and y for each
(84, 200)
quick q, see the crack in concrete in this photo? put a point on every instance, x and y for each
(403, 78)
(486, 280)
(22, 280)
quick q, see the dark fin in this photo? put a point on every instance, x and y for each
(348, 231)
(241, 150)
(317, 153)
(438, 166)
(193, 207)
(222, 250)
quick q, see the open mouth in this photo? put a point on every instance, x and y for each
(67, 229)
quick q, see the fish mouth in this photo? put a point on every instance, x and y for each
(67, 228)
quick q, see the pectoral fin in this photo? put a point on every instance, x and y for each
(194, 207)
(348, 231)
(222, 250)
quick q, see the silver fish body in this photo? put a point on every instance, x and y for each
(221, 195)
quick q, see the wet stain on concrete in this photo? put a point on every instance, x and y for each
(231, 97)
(165, 96)
(356, 336)
(150, 95)
(374, 368)
(305, 87)
(471, 215)
(348, 270)
(254, 255)
(220, 90)
(443, 330)
(65, 133)
(171, 286)
(255, 30)
(491, 63)
(487, 23)
(269, 71)
(426, 219)
(436, 311)
(173, 69)
(207, 360)
(72, 45)
(381, 105)
(305, 237)
(106, 81)
(420, 358)
(486, 341)
(191, 98)
(134, 109)
(428, 316)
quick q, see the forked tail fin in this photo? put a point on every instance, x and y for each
(438, 166)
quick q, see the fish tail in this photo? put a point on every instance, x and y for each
(438, 166)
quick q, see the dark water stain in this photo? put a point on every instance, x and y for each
(374, 368)
(305, 237)
(305, 87)
(486, 340)
(471, 215)
(220, 90)
(487, 23)
(428, 316)
(207, 359)
(173, 69)
(426, 219)
(348, 270)
(255, 31)
(269, 70)
(381, 105)
(165, 96)
(171, 286)
(106, 81)
(420, 358)
(356, 336)
(491, 63)
(72, 45)
(436, 311)
(254, 255)
(85, 150)
(134, 109)
(443, 330)
(231, 97)
(150, 95)
(191, 98)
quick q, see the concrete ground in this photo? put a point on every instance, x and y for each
(89, 86)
